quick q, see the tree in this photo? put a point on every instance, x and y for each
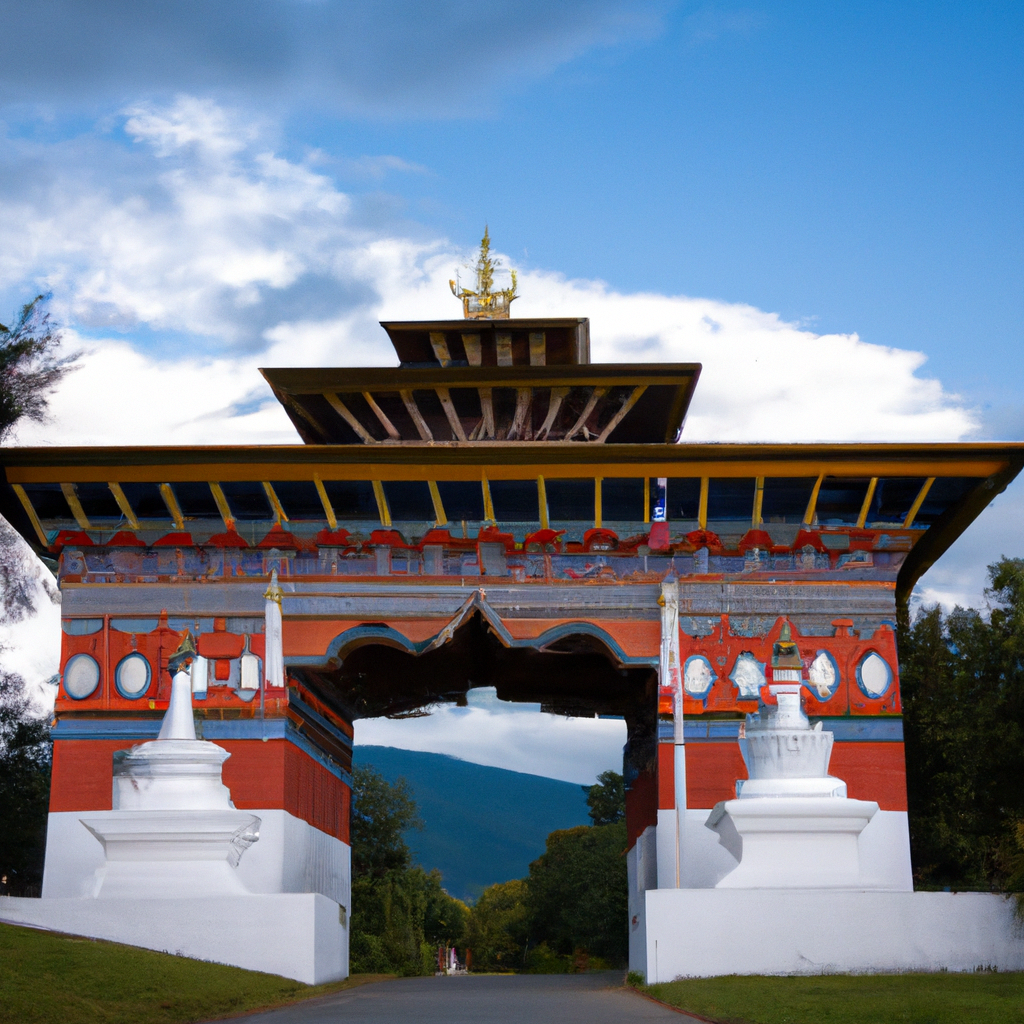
(607, 799)
(30, 367)
(382, 813)
(499, 927)
(576, 892)
(962, 682)
(24, 790)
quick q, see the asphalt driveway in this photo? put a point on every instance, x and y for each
(480, 999)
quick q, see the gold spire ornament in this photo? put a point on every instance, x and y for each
(485, 303)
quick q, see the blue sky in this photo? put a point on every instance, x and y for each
(820, 202)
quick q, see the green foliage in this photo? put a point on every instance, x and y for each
(498, 928)
(852, 999)
(381, 813)
(607, 799)
(962, 682)
(24, 790)
(634, 979)
(29, 367)
(59, 979)
(576, 892)
(400, 914)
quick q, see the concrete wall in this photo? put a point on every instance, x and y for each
(708, 932)
(299, 936)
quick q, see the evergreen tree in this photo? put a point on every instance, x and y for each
(24, 790)
(607, 799)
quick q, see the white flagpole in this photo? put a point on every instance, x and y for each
(672, 675)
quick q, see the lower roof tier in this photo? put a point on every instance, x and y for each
(829, 501)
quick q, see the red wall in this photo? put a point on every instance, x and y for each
(275, 774)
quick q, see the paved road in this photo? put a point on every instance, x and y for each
(507, 999)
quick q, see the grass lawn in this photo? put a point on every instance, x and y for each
(58, 979)
(852, 999)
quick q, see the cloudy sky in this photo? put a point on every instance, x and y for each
(820, 203)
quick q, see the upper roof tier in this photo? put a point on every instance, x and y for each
(464, 382)
(545, 342)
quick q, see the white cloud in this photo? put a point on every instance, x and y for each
(518, 737)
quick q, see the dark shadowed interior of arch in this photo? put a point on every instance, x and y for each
(576, 675)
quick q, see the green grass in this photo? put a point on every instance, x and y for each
(59, 979)
(852, 999)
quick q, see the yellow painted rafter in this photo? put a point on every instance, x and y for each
(26, 504)
(71, 497)
(440, 516)
(542, 503)
(222, 504)
(171, 501)
(865, 507)
(382, 503)
(332, 519)
(275, 502)
(702, 505)
(124, 505)
(812, 503)
(485, 487)
(598, 510)
(757, 519)
(918, 502)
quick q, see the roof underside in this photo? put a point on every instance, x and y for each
(929, 492)
(599, 404)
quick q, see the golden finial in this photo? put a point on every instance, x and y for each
(274, 592)
(484, 303)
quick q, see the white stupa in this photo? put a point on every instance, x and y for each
(174, 830)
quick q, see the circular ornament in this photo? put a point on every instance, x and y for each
(873, 674)
(81, 676)
(132, 676)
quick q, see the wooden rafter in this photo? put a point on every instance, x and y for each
(621, 414)
(349, 417)
(595, 396)
(486, 427)
(471, 343)
(554, 404)
(503, 344)
(440, 347)
(382, 416)
(454, 421)
(538, 348)
(702, 505)
(520, 429)
(417, 417)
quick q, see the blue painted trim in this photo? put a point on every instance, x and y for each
(846, 730)
(139, 730)
(365, 633)
(565, 629)
(243, 729)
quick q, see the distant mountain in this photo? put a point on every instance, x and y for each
(481, 825)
